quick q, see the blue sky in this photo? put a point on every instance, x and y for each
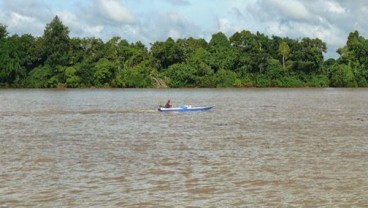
(155, 20)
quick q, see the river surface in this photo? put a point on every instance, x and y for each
(112, 148)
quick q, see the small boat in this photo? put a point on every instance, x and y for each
(184, 108)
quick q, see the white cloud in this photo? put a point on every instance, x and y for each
(80, 28)
(334, 7)
(23, 17)
(17, 19)
(226, 26)
(173, 33)
(33, 9)
(155, 20)
(22, 24)
(330, 20)
(290, 9)
(173, 24)
(114, 11)
(178, 2)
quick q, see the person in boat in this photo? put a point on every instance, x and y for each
(168, 104)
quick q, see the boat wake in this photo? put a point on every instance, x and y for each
(80, 112)
(124, 111)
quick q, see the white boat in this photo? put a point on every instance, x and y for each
(184, 108)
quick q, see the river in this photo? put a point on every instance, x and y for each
(255, 148)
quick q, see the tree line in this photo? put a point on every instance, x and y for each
(245, 59)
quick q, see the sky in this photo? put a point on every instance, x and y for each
(149, 21)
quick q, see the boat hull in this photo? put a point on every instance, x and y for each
(184, 109)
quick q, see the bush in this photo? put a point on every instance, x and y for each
(39, 77)
(342, 76)
(225, 79)
(181, 75)
(289, 81)
(261, 80)
(318, 81)
(136, 77)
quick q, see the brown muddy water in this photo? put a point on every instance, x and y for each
(112, 148)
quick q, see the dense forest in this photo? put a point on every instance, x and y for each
(245, 59)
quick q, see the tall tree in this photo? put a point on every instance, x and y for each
(284, 50)
(342, 76)
(10, 67)
(93, 49)
(355, 54)
(104, 70)
(167, 53)
(221, 54)
(3, 31)
(30, 50)
(243, 40)
(308, 55)
(56, 43)
(254, 49)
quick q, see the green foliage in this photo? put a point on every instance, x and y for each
(29, 50)
(361, 75)
(3, 31)
(355, 55)
(342, 76)
(221, 55)
(274, 69)
(289, 81)
(56, 43)
(245, 59)
(308, 56)
(136, 77)
(39, 77)
(284, 51)
(318, 81)
(137, 54)
(92, 48)
(253, 51)
(167, 53)
(86, 72)
(72, 80)
(181, 75)
(205, 75)
(76, 51)
(226, 79)
(261, 80)
(10, 68)
(104, 72)
(111, 49)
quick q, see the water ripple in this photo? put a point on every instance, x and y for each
(273, 148)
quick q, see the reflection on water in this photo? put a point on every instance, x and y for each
(256, 148)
